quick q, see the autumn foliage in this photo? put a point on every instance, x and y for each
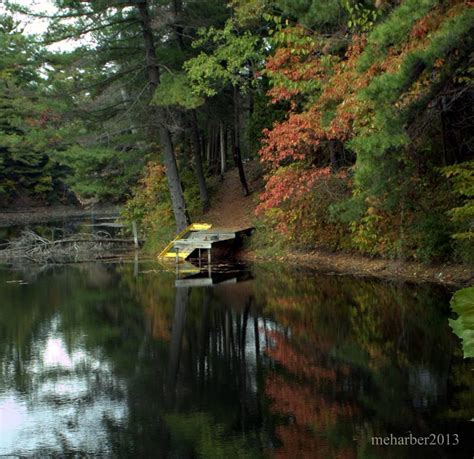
(363, 112)
(305, 400)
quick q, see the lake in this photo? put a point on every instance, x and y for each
(127, 360)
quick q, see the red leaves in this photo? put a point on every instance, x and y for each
(420, 29)
(305, 399)
(44, 119)
(282, 58)
(294, 65)
(285, 354)
(288, 183)
(300, 67)
(289, 140)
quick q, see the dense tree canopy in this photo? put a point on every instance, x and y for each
(360, 111)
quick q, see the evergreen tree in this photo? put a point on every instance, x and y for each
(30, 122)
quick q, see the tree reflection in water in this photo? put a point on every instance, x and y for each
(118, 361)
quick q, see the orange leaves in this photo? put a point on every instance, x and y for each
(279, 93)
(283, 57)
(298, 442)
(297, 363)
(298, 138)
(153, 180)
(288, 183)
(301, 401)
(419, 29)
(295, 66)
(44, 119)
(289, 140)
(431, 21)
(344, 101)
(302, 396)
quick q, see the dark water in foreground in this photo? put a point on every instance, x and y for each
(115, 361)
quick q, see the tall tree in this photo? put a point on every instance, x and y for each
(115, 82)
(229, 56)
(30, 121)
(177, 197)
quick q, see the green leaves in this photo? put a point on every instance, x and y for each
(208, 438)
(461, 177)
(231, 57)
(30, 121)
(462, 303)
(361, 17)
(385, 137)
(101, 172)
(206, 74)
(394, 31)
(176, 89)
(323, 15)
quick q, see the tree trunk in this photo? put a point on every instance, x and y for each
(174, 183)
(208, 147)
(204, 334)
(236, 150)
(216, 156)
(178, 29)
(198, 163)
(222, 149)
(177, 331)
(333, 157)
(212, 152)
(196, 149)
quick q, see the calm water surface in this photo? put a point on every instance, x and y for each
(126, 361)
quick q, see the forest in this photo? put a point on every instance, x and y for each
(338, 134)
(358, 116)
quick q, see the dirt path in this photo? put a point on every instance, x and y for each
(230, 208)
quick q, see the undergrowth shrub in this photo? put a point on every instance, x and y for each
(304, 221)
(461, 177)
(150, 205)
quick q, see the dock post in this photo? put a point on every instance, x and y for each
(177, 255)
(200, 261)
(135, 234)
(209, 269)
(135, 265)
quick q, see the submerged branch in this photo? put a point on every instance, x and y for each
(34, 248)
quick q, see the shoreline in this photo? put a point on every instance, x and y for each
(324, 261)
(45, 214)
(447, 274)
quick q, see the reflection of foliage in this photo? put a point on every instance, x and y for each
(155, 292)
(298, 362)
(462, 303)
(366, 343)
(306, 401)
(341, 353)
(375, 318)
(210, 440)
(463, 378)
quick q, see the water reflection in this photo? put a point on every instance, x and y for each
(62, 397)
(120, 360)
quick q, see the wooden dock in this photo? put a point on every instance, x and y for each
(199, 237)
